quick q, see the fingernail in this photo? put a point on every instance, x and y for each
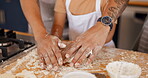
(49, 67)
(60, 61)
(55, 68)
(71, 64)
(67, 55)
(77, 65)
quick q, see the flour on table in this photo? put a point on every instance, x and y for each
(6, 75)
(29, 66)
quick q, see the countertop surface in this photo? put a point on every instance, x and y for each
(139, 3)
(105, 56)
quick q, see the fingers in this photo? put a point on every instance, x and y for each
(70, 51)
(67, 48)
(77, 56)
(88, 55)
(41, 57)
(94, 54)
(90, 59)
(58, 55)
(84, 56)
(58, 43)
(74, 47)
(53, 58)
(42, 61)
(48, 62)
(49, 52)
(55, 53)
(45, 60)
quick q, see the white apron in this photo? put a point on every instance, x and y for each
(78, 24)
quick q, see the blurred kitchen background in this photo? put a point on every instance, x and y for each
(127, 34)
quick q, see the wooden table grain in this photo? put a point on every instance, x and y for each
(107, 55)
(138, 3)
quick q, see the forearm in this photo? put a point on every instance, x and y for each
(32, 14)
(58, 25)
(115, 8)
(57, 30)
(111, 34)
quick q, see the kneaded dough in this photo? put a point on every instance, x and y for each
(7, 75)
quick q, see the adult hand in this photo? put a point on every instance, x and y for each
(49, 52)
(87, 45)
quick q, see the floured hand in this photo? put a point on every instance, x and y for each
(49, 52)
(87, 45)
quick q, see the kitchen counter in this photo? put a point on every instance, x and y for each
(107, 55)
(139, 3)
(21, 33)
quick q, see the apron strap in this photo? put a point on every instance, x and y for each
(67, 6)
(98, 5)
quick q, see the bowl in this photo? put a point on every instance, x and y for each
(79, 74)
(121, 69)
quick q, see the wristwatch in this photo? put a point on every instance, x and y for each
(106, 20)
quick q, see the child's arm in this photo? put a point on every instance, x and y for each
(58, 25)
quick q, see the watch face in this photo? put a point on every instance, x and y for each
(106, 20)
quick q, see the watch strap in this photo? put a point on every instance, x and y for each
(111, 25)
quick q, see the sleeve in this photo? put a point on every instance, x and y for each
(60, 6)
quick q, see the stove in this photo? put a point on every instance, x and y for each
(12, 44)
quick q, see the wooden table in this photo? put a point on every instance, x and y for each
(138, 3)
(107, 55)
